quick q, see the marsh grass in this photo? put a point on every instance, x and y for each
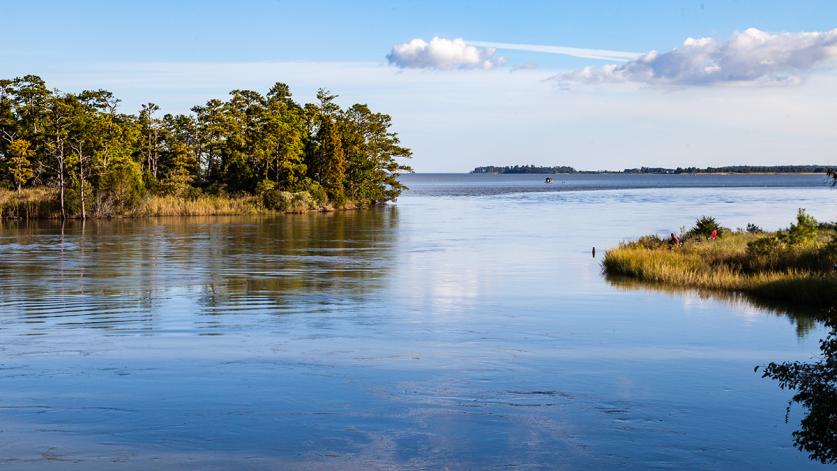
(29, 203)
(42, 203)
(801, 274)
(205, 205)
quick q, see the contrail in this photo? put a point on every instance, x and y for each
(601, 54)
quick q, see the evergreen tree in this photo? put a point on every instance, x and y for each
(328, 165)
(102, 161)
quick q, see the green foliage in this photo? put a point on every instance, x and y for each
(754, 229)
(767, 245)
(371, 151)
(18, 163)
(285, 201)
(328, 161)
(704, 226)
(314, 189)
(829, 253)
(73, 196)
(766, 265)
(75, 141)
(815, 384)
(804, 231)
(120, 188)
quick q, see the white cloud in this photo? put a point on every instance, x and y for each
(751, 56)
(601, 54)
(456, 120)
(442, 53)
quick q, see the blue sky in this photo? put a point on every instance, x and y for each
(182, 53)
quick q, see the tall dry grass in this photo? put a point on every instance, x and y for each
(205, 205)
(723, 265)
(29, 203)
(42, 203)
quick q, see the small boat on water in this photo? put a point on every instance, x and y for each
(548, 180)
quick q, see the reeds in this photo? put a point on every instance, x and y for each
(204, 205)
(29, 203)
(43, 203)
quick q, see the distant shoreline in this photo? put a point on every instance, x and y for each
(731, 169)
(616, 172)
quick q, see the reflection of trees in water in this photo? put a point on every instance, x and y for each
(804, 318)
(307, 262)
(133, 274)
(816, 390)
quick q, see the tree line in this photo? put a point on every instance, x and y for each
(518, 169)
(521, 169)
(102, 161)
(736, 169)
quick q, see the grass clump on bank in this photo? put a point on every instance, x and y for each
(43, 203)
(29, 203)
(795, 265)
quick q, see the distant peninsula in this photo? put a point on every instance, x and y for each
(524, 169)
(520, 169)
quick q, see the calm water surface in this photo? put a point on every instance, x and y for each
(467, 327)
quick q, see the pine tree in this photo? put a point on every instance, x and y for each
(329, 161)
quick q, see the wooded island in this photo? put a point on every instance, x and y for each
(75, 155)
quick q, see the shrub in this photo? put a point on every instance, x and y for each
(804, 231)
(754, 229)
(72, 197)
(120, 189)
(828, 254)
(289, 202)
(765, 252)
(704, 227)
(314, 189)
(650, 242)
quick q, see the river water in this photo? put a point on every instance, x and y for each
(468, 326)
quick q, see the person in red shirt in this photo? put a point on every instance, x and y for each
(714, 234)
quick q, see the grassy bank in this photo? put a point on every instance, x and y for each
(796, 265)
(30, 203)
(43, 203)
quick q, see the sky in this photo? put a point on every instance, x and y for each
(594, 85)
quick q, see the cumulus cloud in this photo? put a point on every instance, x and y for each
(442, 53)
(750, 56)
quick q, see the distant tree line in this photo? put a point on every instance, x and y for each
(830, 169)
(736, 169)
(100, 159)
(524, 169)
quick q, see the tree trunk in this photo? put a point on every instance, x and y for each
(81, 184)
(61, 183)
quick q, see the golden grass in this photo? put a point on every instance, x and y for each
(30, 203)
(42, 203)
(207, 205)
(716, 265)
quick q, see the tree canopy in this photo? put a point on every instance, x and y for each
(102, 160)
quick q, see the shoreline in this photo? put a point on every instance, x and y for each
(796, 266)
(584, 172)
(43, 204)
